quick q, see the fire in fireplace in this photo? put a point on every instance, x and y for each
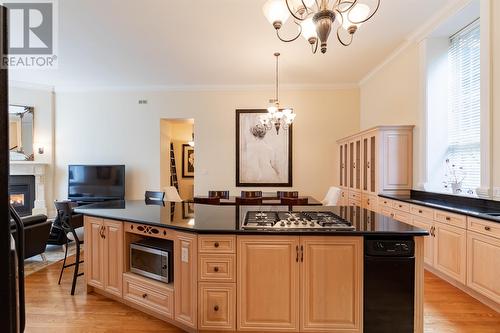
(22, 193)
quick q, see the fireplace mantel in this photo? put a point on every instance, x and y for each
(36, 169)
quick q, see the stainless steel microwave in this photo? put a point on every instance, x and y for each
(153, 258)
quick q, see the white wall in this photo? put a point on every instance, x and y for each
(111, 127)
(392, 95)
(42, 99)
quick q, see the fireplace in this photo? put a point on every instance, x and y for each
(22, 194)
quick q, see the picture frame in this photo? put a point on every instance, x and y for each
(187, 161)
(263, 158)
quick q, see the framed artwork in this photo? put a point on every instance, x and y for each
(263, 158)
(187, 161)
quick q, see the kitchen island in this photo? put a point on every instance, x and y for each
(228, 276)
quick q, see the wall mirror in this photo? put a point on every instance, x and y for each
(21, 123)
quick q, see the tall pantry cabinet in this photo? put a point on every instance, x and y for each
(376, 161)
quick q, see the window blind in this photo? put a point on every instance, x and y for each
(464, 115)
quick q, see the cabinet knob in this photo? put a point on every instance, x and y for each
(216, 244)
(368, 165)
(487, 228)
(144, 295)
(420, 211)
(216, 308)
(448, 218)
(216, 269)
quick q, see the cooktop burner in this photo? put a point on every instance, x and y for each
(279, 220)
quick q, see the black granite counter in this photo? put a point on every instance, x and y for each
(208, 219)
(474, 207)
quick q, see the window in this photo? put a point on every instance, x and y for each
(464, 113)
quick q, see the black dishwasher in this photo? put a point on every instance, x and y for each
(389, 285)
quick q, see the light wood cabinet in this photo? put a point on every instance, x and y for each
(268, 283)
(217, 306)
(483, 265)
(154, 296)
(104, 254)
(378, 160)
(186, 279)
(450, 251)
(429, 241)
(331, 284)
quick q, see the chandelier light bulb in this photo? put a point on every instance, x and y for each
(276, 12)
(287, 112)
(357, 13)
(309, 30)
(272, 109)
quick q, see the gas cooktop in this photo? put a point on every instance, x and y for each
(279, 220)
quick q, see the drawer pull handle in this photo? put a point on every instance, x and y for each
(420, 211)
(216, 269)
(487, 228)
(448, 218)
(216, 308)
(400, 206)
(144, 295)
(216, 244)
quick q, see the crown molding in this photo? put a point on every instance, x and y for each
(206, 88)
(418, 35)
(30, 85)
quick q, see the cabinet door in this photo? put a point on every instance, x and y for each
(94, 251)
(369, 154)
(331, 283)
(113, 257)
(450, 251)
(483, 261)
(217, 306)
(355, 164)
(428, 225)
(397, 164)
(346, 166)
(268, 283)
(341, 165)
(185, 279)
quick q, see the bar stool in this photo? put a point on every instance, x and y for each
(290, 202)
(251, 194)
(65, 215)
(287, 194)
(218, 194)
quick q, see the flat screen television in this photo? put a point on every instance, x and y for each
(96, 182)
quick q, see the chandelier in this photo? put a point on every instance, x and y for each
(276, 117)
(315, 19)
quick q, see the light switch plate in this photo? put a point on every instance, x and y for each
(185, 254)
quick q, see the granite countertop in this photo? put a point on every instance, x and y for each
(213, 219)
(455, 204)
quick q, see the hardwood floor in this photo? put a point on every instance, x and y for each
(51, 308)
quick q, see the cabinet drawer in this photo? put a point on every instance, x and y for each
(402, 206)
(215, 267)
(369, 202)
(402, 216)
(386, 211)
(353, 202)
(484, 227)
(355, 195)
(450, 218)
(385, 202)
(217, 304)
(216, 244)
(152, 295)
(420, 211)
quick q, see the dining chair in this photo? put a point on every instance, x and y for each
(218, 194)
(332, 196)
(251, 194)
(172, 195)
(154, 195)
(287, 194)
(67, 218)
(207, 201)
(255, 201)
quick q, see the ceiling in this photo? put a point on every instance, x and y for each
(165, 43)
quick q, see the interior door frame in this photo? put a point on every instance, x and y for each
(8, 315)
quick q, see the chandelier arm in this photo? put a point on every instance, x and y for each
(314, 47)
(305, 7)
(292, 13)
(292, 39)
(351, 2)
(369, 17)
(340, 39)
